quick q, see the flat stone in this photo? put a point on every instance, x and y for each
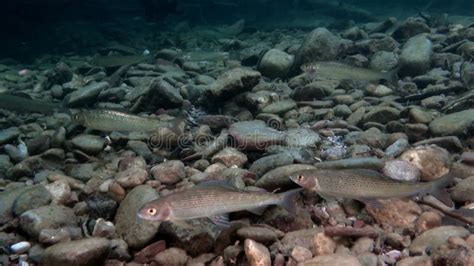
(267, 163)
(333, 259)
(9, 134)
(86, 95)
(382, 114)
(259, 234)
(464, 190)
(280, 107)
(32, 198)
(452, 124)
(433, 238)
(234, 81)
(89, 251)
(91, 144)
(47, 217)
(230, 157)
(172, 256)
(169, 172)
(275, 64)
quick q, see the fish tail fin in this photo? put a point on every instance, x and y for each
(288, 200)
(438, 189)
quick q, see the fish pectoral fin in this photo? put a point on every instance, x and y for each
(372, 202)
(443, 196)
(221, 220)
(258, 210)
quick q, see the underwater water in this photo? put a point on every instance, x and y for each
(226, 132)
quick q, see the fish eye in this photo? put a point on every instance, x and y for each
(300, 177)
(151, 211)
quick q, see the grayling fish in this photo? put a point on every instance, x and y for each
(110, 120)
(367, 185)
(25, 105)
(340, 71)
(213, 199)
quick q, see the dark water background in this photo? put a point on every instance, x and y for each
(32, 27)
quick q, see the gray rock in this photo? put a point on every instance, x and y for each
(5, 164)
(302, 137)
(7, 199)
(47, 217)
(90, 144)
(464, 190)
(453, 124)
(317, 89)
(382, 114)
(233, 82)
(275, 64)
(90, 251)
(397, 148)
(267, 163)
(319, 45)
(131, 177)
(169, 96)
(31, 198)
(140, 148)
(136, 232)
(172, 256)
(401, 170)
(230, 157)
(416, 56)
(83, 172)
(342, 110)
(195, 236)
(9, 134)
(430, 240)
(169, 172)
(280, 107)
(86, 95)
(384, 61)
(411, 27)
(259, 234)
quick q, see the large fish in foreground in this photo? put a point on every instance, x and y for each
(367, 185)
(341, 71)
(110, 120)
(213, 200)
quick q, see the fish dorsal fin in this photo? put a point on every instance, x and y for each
(216, 184)
(221, 220)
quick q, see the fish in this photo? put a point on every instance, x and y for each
(215, 200)
(111, 120)
(111, 61)
(367, 185)
(25, 105)
(340, 71)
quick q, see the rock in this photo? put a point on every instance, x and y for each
(397, 148)
(301, 254)
(136, 232)
(302, 137)
(169, 172)
(90, 144)
(384, 61)
(432, 161)
(401, 170)
(417, 115)
(131, 177)
(399, 214)
(90, 251)
(255, 135)
(356, 117)
(303, 238)
(267, 163)
(47, 217)
(464, 190)
(230, 157)
(363, 245)
(256, 253)
(31, 198)
(317, 89)
(411, 27)
(323, 245)
(378, 90)
(382, 114)
(101, 206)
(196, 236)
(275, 64)
(415, 58)
(333, 259)
(147, 254)
(433, 238)
(60, 191)
(172, 256)
(233, 82)
(319, 45)
(453, 124)
(169, 96)
(373, 138)
(280, 107)
(9, 134)
(141, 149)
(86, 95)
(259, 234)
(7, 199)
(415, 261)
